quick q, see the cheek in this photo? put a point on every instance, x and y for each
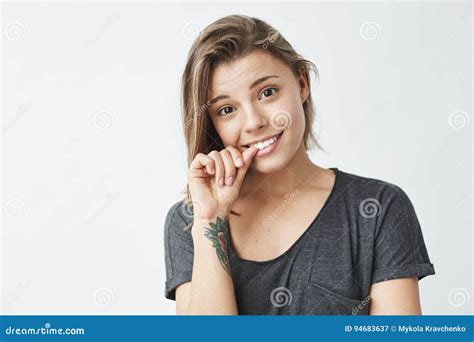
(292, 116)
(299, 122)
(228, 134)
(295, 131)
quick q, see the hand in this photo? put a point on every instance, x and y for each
(215, 179)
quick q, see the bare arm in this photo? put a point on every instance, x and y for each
(395, 297)
(183, 293)
(211, 290)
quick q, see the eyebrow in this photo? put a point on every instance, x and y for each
(253, 85)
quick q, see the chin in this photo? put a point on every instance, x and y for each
(277, 160)
(269, 165)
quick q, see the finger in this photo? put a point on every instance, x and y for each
(248, 156)
(236, 156)
(202, 161)
(229, 167)
(219, 167)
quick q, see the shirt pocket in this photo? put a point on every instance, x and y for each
(323, 301)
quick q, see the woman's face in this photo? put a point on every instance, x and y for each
(258, 99)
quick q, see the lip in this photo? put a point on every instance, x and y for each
(259, 140)
(270, 148)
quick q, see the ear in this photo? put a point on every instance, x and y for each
(304, 87)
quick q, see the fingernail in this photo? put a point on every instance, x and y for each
(229, 180)
(221, 181)
(239, 162)
(212, 171)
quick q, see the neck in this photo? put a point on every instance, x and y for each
(300, 170)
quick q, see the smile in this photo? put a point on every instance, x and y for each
(261, 145)
(267, 146)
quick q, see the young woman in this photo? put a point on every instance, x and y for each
(270, 232)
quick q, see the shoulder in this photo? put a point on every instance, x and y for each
(372, 202)
(359, 188)
(178, 217)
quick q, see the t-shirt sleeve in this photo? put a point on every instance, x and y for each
(179, 250)
(399, 248)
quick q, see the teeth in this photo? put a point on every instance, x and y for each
(264, 144)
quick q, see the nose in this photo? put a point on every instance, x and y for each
(254, 119)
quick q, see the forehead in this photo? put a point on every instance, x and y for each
(239, 74)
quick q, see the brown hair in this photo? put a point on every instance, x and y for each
(223, 41)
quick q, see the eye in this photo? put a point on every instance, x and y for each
(268, 92)
(224, 111)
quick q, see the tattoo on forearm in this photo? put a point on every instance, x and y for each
(218, 234)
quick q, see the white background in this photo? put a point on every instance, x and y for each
(93, 154)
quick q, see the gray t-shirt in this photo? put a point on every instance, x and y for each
(366, 232)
